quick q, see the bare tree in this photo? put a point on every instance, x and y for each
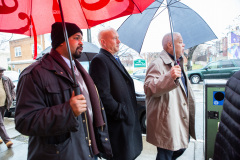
(3, 40)
(189, 57)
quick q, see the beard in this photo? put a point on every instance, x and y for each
(77, 54)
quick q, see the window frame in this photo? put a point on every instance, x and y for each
(16, 51)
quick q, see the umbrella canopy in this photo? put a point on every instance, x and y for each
(25, 16)
(88, 52)
(193, 28)
(35, 17)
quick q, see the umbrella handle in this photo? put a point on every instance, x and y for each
(175, 63)
(76, 90)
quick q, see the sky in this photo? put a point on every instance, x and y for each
(218, 14)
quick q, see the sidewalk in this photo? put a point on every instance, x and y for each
(193, 152)
(19, 148)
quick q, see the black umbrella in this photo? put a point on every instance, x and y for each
(88, 52)
(183, 19)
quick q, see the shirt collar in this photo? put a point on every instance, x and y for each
(179, 59)
(68, 61)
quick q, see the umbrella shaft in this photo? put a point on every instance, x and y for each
(171, 28)
(67, 43)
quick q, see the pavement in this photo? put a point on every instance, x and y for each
(20, 146)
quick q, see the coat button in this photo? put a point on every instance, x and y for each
(57, 152)
(184, 104)
(86, 138)
(106, 139)
(83, 121)
(102, 108)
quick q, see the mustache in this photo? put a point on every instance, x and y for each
(80, 46)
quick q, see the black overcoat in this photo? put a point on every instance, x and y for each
(228, 138)
(116, 89)
(43, 112)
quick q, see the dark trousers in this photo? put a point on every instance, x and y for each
(164, 154)
(3, 133)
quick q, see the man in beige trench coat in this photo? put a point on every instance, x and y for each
(170, 102)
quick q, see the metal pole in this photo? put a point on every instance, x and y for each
(171, 28)
(89, 35)
(76, 86)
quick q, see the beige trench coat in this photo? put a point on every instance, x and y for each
(170, 112)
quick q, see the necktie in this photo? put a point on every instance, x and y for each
(119, 62)
(183, 78)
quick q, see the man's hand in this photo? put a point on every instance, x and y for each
(78, 104)
(175, 72)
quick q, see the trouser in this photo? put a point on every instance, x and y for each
(3, 132)
(164, 154)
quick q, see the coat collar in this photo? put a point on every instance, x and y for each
(166, 58)
(4, 78)
(122, 69)
(112, 58)
(55, 63)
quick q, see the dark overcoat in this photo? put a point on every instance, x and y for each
(228, 138)
(43, 112)
(116, 89)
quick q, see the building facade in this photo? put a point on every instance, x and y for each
(22, 52)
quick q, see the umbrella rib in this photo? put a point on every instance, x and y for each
(136, 6)
(166, 8)
(30, 20)
(158, 14)
(177, 1)
(178, 7)
(84, 15)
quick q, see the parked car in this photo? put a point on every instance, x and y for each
(140, 96)
(222, 69)
(13, 75)
(141, 74)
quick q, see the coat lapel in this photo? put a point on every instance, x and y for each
(111, 57)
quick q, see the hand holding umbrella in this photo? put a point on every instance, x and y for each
(176, 72)
(78, 104)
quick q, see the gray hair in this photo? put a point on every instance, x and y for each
(167, 38)
(103, 32)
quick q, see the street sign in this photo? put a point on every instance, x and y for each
(139, 63)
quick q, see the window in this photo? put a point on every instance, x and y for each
(225, 64)
(237, 62)
(17, 51)
(139, 72)
(212, 66)
(39, 49)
